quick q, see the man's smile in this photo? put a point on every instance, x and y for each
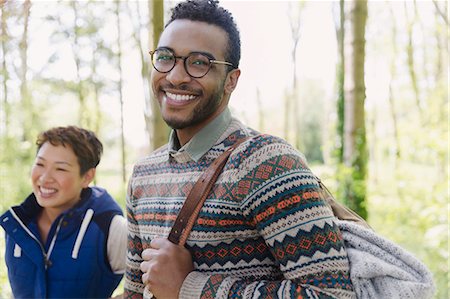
(179, 97)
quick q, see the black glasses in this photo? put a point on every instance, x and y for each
(196, 64)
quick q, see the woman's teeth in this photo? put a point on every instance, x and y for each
(47, 191)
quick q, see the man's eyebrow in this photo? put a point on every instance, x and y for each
(210, 55)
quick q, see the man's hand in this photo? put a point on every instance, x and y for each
(165, 267)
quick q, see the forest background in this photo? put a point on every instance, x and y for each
(361, 88)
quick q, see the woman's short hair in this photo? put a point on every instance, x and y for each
(84, 144)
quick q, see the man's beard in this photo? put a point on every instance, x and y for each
(201, 112)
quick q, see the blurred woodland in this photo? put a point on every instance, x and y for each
(379, 140)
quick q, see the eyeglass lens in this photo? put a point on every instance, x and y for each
(196, 64)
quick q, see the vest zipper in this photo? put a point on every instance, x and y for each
(47, 262)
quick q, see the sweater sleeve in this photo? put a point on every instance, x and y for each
(117, 244)
(281, 196)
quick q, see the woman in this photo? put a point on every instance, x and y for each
(66, 240)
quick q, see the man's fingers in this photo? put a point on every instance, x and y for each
(147, 254)
(145, 266)
(145, 278)
(157, 243)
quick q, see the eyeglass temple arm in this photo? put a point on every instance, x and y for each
(222, 62)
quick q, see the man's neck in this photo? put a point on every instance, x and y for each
(186, 134)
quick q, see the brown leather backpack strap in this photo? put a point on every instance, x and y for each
(194, 201)
(340, 211)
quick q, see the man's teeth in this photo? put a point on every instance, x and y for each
(180, 97)
(47, 191)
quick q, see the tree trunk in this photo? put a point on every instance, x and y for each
(260, 111)
(440, 71)
(340, 74)
(29, 122)
(441, 11)
(159, 127)
(4, 72)
(97, 121)
(355, 148)
(119, 87)
(424, 71)
(155, 125)
(391, 88)
(411, 62)
(294, 114)
(372, 148)
(438, 65)
(83, 115)
(287, 115)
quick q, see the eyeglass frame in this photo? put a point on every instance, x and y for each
(211, 60)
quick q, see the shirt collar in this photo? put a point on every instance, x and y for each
(203, 141)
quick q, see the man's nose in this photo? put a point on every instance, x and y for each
(178, 75)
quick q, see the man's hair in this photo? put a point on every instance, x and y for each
(84, 144)
(210, 12)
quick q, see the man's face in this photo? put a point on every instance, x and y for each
(187, 102)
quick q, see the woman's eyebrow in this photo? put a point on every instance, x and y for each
(57, 162)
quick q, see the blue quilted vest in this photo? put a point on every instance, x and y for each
(73, 263)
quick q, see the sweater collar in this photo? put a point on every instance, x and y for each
(202, 142)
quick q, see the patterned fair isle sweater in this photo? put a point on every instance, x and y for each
(263, 232)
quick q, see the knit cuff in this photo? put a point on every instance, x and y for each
(193, 285)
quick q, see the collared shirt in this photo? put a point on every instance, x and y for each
(203, 141)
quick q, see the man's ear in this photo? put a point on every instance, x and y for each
(232, 80)
(88, 177)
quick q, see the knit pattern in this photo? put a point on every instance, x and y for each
(263, 232)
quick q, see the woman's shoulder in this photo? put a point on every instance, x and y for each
(100, 201)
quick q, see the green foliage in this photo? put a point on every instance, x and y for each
(312, 121)
(413, 214)
(357, 191)
(352, 189)
(353, 179)
(409, 207)
(339, 148)
(14, 175)
(312, 142)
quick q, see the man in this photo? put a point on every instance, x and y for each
(264, 230)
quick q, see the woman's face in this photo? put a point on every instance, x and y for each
(56, 178)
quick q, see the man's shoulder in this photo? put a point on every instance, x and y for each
(267, 139)
(257, 141)
(265, 148)
(237, 129)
